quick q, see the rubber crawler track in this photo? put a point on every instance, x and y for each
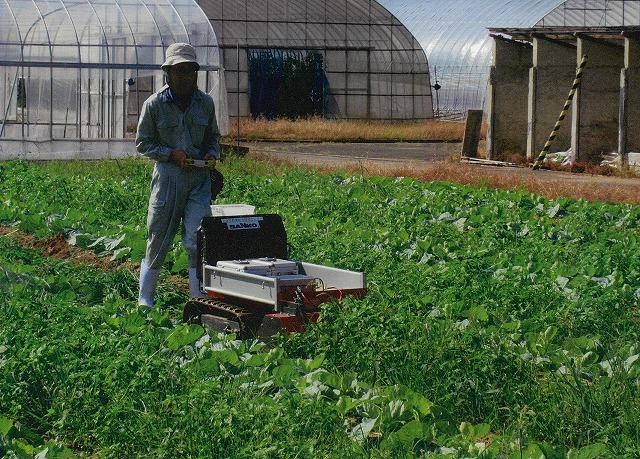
(248, 320)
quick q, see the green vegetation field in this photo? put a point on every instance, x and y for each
(499, 324)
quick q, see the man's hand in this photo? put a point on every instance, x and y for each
(212, 160)
(180, 157)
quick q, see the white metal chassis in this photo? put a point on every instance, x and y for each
(264, 289)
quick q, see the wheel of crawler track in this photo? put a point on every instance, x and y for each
(206, 310)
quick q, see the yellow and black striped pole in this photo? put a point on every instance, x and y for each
(563, 113)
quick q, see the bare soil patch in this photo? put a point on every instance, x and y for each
(57, 247)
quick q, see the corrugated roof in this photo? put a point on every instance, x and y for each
(580, 13)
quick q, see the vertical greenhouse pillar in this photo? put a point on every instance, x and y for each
(596, 108)
(550, 79)
(629, 136)
(508, 84)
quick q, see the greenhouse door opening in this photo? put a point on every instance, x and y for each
(285, 83)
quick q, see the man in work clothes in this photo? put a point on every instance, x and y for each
(177, 124)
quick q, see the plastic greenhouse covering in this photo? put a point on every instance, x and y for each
(455, 38)
(80, 69)
(355, 58)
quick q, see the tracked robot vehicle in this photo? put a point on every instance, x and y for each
(252, 288)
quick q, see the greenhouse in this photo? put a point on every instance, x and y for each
(75, 73)
(335, 59)
(454, 35)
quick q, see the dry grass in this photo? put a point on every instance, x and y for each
(550, 184)
(316, 129)
(579, 181)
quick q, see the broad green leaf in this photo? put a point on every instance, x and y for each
(22, 449)
(329, 379)
(478, 313)
(183, 335)
(5, 425)
(632, 365)
(589, 358)
(480, 430)
(134, 322)
(410, 432)
(587, 452)
(553, 211)
(316, 362)
(419, 403)
(224, 355)
(181, 261)
(532, 451)
(210, 364)
(256, 360)
(549, 334)
(466, 429)
(346, 404)
(111, 244)
(53, 451)
(285, 374)
(31, 223)
(395, 411)
(121, 253)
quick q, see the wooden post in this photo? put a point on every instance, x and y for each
(472, 134)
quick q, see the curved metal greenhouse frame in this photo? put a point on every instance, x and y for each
(80, 69)
(371, 66)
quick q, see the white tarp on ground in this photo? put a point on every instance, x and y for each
(612, 159)
(615, 160)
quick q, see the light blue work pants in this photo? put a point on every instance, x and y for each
(177, 196)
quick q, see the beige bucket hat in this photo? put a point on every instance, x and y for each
(178, 53)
